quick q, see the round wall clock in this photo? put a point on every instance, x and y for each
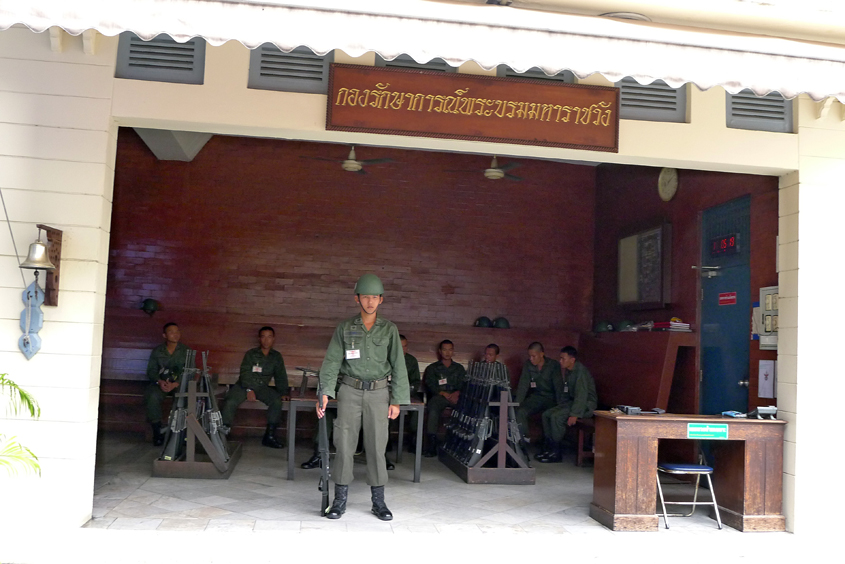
(667, 184)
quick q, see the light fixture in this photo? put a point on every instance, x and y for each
(494, 172)
(351, 164)
(626, 16)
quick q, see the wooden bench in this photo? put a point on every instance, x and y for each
(585, 428)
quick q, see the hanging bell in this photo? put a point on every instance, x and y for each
(37, 258)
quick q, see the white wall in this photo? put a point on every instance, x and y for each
(811, 377)
(57, 152)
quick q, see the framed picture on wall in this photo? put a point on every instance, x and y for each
(644, 271)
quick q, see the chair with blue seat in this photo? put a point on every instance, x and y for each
(687, 469)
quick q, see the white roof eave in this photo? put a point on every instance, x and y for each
(488, 35)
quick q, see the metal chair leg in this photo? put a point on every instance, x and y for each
(662, 503)
(715, 505)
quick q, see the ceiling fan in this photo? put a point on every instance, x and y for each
(496, 172)
(351, 163)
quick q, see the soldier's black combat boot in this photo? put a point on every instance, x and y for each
(555, 454)
(431, 449)
(313, 462)
(158, 436)
(269, 439)
(546, 451)
(338, 507)
(380, 510)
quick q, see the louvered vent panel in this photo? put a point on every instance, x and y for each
(298, 71)
(406, 62)
(161, 59)
(535, 73)
(651, 102)
(161, 53)
(772, 112)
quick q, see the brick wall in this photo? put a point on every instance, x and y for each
(260, 231)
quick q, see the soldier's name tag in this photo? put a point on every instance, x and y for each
(566, 388)
(442, 382)
(533, 384)
(257, 369)
(353, 353)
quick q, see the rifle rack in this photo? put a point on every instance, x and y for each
(501, 474)
(209, 466)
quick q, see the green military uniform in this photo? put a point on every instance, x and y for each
(163, 366)
(359, 358)
(256, 371)
(579, 400)
(414, 378)
(441, 378)
(538, 390)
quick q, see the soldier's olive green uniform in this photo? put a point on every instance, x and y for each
(256, 371)
(414, 384)
(440, 378)
(379, 353)
(537, 391)
(579, 400)
(163, 366)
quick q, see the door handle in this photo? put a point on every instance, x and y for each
(743, 383)
(707, 271)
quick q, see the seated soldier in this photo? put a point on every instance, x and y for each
(540, 386)
(257, 368)
(443, 380)
(164, 370)
(491, 353)
(579, 401)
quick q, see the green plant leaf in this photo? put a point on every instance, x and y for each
(19, 399)
(15, 456)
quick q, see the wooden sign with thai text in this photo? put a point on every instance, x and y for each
(479, 108)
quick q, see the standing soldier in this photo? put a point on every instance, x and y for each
(164, 369)
(363, 352)
(258, 367)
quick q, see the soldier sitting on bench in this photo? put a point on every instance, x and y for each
(443, 380)
(579, 400)
(257, 368)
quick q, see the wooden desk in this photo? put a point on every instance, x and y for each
(308, 403)
(748, 470)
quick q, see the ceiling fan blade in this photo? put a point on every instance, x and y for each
(513, 177)
(510, 166)
(321, 159)
(376, 161)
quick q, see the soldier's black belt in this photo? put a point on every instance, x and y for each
(366, 385)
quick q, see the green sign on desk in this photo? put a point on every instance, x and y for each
(718, 431)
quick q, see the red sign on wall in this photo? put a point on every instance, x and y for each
(478, 108)
(727, 298)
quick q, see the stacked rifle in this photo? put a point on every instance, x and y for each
(474, 423)
(205, 417)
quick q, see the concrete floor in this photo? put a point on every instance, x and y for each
(257, 515)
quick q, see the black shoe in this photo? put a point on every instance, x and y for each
(541, 456)
(553, 457)
(158, 436)
(338, 507)
(389, 464)
(380, 510)
(269, 439)
(313, 462)
(430, 451)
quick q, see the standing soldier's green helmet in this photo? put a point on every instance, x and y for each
(369, 285)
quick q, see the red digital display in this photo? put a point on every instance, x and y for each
(727, 245)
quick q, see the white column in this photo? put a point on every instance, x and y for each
(57, 152)
(811, 376)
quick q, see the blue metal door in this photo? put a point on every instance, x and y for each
(726, 306)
